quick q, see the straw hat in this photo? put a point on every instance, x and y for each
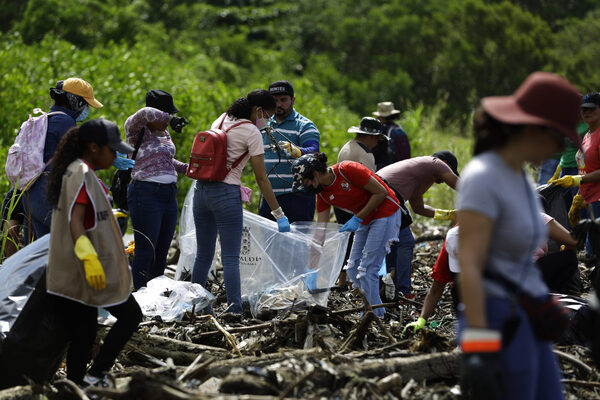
(386, 109)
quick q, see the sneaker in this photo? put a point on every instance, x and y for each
(103, 381)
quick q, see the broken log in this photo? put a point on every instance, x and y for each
(182, 353)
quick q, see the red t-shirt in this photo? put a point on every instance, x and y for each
(84, 198)
(346, 192)
(588, 160)
(441, 270)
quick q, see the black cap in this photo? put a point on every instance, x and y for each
(449, 158)
(281, 87)
(591, 100)
(368, 126)
(161, 100)
(104, 129)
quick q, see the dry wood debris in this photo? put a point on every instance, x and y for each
(343, 351)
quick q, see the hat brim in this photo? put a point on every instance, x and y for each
(356, 129)
(506, 109)
(121, 147)
(589, 105)
(93, 102)
(385, 115)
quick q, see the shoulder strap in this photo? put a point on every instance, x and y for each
(240, 158)
(138, 144)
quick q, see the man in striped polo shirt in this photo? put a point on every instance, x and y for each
(294, 135)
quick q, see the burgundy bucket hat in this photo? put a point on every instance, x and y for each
(542, 99)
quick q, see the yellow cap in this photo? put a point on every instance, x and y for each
(81, 88)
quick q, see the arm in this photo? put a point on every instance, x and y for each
(149, 117)
(474, 238)
(180, 167)
(433, 296)
(421, 208)
(311, 146)
(77, 218)
(378, 194)
(560, 235)
(258, 165)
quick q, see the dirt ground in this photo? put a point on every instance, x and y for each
(341, 352)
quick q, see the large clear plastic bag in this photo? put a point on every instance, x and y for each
(19, 275)
(278, 269)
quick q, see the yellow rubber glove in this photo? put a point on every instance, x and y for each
(443, 215)
(290, 149)
(568, 181)
(94, 273)
(575, 210)
(556, 174)
(416, 325)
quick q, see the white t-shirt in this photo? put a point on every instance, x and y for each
(239, 139)
(452, 249)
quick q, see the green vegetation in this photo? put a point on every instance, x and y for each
(433, 58)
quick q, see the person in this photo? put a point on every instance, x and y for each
(152, 193)
(87, 265)
(411, 179)
(588, 164)
(72, 99)
(506, 352)
(548, 168)
(395, 146)
(217, 206)
(376, 214)
(368, 134)
(288, 136)
(446, 267)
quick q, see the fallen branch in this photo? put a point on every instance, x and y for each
(377, 320)
(573, 360)
(357, 334)
(227, 335)
(580, 383)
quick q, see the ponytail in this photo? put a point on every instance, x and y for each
(242, 107)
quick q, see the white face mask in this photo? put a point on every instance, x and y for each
(261, 122)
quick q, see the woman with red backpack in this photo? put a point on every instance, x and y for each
(217, 205)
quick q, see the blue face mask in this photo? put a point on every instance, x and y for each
(83, 114)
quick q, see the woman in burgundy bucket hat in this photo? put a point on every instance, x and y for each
(506, 355)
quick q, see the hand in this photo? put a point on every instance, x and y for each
(94, 273)
(177, 123)
(416, 325)
(289, 149)
(122, 162)
(283, 224)
(443, 215)
(352, 225)
(575, 210)
(481, 364)
(568, 181)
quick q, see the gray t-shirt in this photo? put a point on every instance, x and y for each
(488, 186)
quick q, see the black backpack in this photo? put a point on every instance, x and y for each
(122, 178)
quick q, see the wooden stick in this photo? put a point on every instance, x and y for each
(580, 383)
(228, 337)
(377, 320)
(573, 360)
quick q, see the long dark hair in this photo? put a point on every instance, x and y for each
(242, 107)
(490, 133)
(73, 145)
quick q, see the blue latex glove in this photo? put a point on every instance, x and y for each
(352, 225)
(122, 162)
(283, 224)
(310, 280)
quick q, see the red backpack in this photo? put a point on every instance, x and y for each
(208, 161)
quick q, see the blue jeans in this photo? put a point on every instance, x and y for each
(153, 212)
(218, 208)
(529, 365)
(547, 170)
(400, 258)
(37, 208)
(297, 206)
(368, 251)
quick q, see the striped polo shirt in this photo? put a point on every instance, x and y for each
(295, 129)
